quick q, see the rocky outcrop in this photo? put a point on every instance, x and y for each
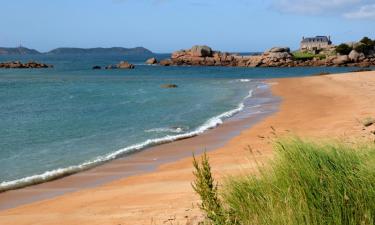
(96, 67)
(152, 61)
(20, 65)
(274, 57)
(125, 65)
(121, 65)
(205, 56)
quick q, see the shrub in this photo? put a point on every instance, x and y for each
(204, 185)
(307, 183)
(307, 56)
(365, 46)
(362, 48)
(343, 49)
(367, 41)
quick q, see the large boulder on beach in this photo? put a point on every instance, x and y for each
(125, 65)
(152, 61)
(201, 51)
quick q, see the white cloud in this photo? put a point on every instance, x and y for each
(363, 12)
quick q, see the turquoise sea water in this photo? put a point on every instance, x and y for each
(61, 120)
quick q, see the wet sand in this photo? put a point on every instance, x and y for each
(315, 107)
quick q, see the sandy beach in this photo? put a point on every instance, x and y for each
(321, 107)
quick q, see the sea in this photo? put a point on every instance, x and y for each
(62, 120)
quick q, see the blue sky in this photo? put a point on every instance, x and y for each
(168, 25)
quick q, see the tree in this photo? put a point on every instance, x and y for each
(343, 49)
(365, 46)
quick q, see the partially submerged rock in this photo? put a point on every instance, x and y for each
(28, 65)
(169, 86)
(125, 65)
(96, 67)
(152, 61)
(111, 67)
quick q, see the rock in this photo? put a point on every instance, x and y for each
(209, 61)
(354, 56)
(96, 67)
(111, 67)
(125, 65)
(179, 54)
(152, 61)
(254, 61)
(340, 60)
(278, 49)
(201, 51)
(20, 65)
(169, 86)
(364, 64)
(195, 61)
(166, 62)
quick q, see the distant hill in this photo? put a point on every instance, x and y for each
(18, 51)
(107, 51)
(61, 51)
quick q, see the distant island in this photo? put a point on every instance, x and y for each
(18, 51)
(89, 51)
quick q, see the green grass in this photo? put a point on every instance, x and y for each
(307, 56)
(306, 183)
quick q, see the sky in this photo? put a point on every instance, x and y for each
(168, 25)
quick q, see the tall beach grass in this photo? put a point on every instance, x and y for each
(306, 183)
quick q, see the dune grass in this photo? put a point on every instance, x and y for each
(306, 183)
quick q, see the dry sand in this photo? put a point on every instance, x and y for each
(315, 107)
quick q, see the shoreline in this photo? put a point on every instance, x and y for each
(324, 107)
(145, 159)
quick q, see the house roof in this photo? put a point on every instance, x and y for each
(316, 39)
